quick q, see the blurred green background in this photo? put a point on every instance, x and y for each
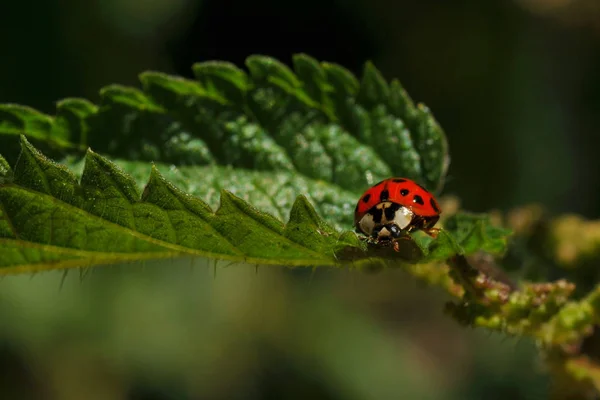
(514, 83)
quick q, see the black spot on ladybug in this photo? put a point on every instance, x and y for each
(398, 180)
(390, 212)
(377, 213)
(404, 192)
(434, 205)
(384, 195)
(418, 199)
(366, 198)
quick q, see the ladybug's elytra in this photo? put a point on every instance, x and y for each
(396, 206)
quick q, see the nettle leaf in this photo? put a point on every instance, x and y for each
(297, 144)
(51, 219)
(316, 120)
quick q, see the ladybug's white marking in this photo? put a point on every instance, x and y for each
(367, 224)
(402, 219)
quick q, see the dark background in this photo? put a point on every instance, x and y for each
(516, 86)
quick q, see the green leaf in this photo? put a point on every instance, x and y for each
(270, 72)
(374, 90)
(50, 219)
(314, 80)
(283, 140)
(224, 80)
(475, 231)
(316, 120)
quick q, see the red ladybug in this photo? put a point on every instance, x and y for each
(394, 207)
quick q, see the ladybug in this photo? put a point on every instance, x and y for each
(394, 207)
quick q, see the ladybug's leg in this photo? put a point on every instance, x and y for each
(402, 235)
(433, 232)
(396, 242)
(428, 226)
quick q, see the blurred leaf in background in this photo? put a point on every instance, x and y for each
(177, 333)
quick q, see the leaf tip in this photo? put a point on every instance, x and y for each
(303, 210)
(303, 57)
(29, 149)
(23, 140)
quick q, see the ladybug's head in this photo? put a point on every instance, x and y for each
(385, 220)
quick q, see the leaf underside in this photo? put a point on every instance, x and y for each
(50, 218)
